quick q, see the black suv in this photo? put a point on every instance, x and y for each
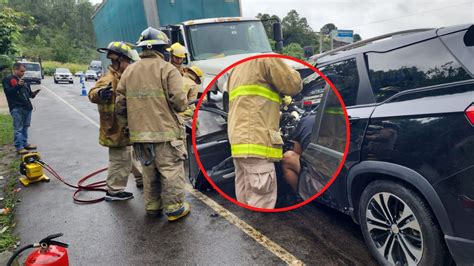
(408, 179)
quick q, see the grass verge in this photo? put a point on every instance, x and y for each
(50, 66)
(9, 166)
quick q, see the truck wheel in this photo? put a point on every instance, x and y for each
(55, 81)
(399, 227)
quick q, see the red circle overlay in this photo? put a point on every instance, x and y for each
(198, 160)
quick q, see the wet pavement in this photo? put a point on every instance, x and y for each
(120, 233)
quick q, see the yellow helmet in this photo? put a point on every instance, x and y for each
(196, 71)
(177, 50)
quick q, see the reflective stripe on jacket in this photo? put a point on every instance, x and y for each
(111, 132)
(150, 92)
(255, 88)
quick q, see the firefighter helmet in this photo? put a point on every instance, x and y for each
(151, 37)
(122, 49)
(177, 50)
(196, 71)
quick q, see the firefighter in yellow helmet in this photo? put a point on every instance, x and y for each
(178, 54)
(150, 93)
(192, 78)
(111, 132)
(255, 94)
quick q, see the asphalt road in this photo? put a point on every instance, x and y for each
(64, 126)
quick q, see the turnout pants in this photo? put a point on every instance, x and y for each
(255, 182)
(164, 178)
(120, 164)
(136, 170)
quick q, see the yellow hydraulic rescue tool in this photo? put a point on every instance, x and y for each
(31, 169)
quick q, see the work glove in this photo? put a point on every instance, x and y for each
(106, 93)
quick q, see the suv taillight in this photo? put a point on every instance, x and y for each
(470, 114)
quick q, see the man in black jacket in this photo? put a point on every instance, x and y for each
(18, 94)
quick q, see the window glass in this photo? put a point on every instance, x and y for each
(345, 77)
(230, 38)
(418, 65)
(32, 67)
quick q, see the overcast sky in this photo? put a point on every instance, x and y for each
(369, 18)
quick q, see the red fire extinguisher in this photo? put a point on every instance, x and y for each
(48, 252)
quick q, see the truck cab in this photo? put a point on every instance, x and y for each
(215, 43)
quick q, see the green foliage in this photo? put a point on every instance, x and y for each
(297, 30)
(12, 23)
(326, 29)
(63, 30)
(6, 132)
(356, 37)
(5, 62)
(267, 21)
(7, 238)
(50, 66)
(294, 50)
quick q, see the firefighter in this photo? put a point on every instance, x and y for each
(178, 54)
(255, 90)
(150, 94)
(112, 134)
(192, 78)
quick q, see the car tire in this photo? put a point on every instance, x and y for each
(71, 82)
(403, 230)
(55, 81)
(38, 82)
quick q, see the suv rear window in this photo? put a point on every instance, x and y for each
(344, 76)
(418, 65)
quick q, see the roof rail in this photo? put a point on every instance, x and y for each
(364, 42)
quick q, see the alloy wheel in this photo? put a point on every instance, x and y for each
(394, 229)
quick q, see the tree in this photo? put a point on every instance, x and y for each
(267, 21)
(356, 37)
(297, 30)
(294, 50)
(64, 24)
(11, 24)
(326, 29)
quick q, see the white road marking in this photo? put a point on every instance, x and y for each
(72, 107)
(260, 238)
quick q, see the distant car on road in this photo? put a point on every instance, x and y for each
(33, 72)
(96, 66)
(91, 74)
(63, 74)
(79, 74)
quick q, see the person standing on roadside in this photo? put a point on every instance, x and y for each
(18, 93)
(112, 132)
(255, 88)
(150, 94)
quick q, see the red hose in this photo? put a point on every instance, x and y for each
(96, 186)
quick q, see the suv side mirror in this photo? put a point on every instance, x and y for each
(278, 36)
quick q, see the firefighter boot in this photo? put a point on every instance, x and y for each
(177, 211)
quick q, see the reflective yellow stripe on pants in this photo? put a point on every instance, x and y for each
(254, 90)
(256, 149)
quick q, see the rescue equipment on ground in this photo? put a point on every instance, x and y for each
(48, 252)
(32, 167)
